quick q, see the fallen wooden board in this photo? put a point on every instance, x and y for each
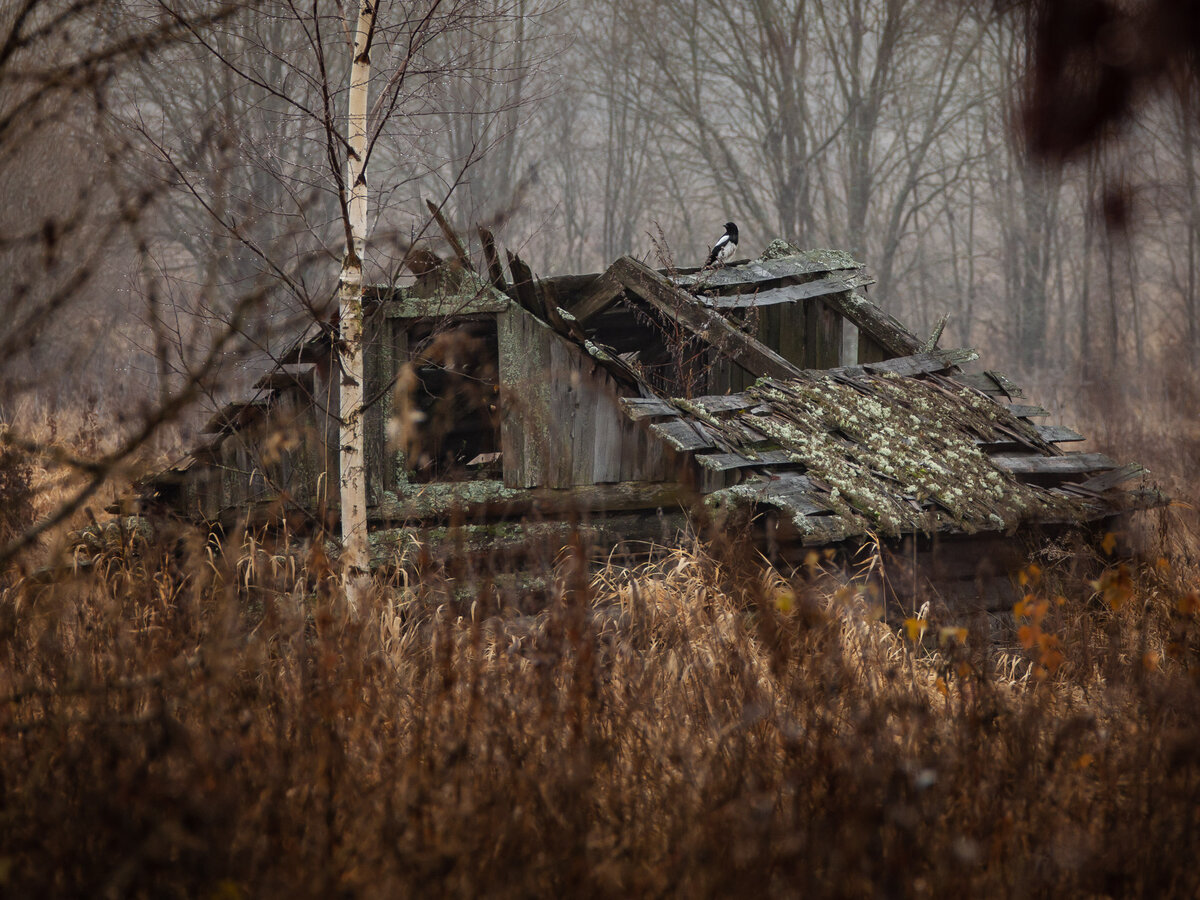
(1070, 464)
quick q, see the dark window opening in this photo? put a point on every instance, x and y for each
(672, 360)
(456, 432)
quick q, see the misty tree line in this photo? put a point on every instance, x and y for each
(190, 158)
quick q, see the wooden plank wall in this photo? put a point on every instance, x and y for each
(385, 350)
(562, 423)
(808, 333)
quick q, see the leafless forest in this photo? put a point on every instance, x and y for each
(187, 715)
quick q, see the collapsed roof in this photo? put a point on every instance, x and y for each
(764, 412)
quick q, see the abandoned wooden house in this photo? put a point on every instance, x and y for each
(770, 395)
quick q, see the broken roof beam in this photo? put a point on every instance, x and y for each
(523, 288)
(886, 331)
(679, 306)
(495, 270)
(602, 294)
(451, 237)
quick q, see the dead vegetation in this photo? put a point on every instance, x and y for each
(185, 718)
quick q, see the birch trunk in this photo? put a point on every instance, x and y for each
(353, 481)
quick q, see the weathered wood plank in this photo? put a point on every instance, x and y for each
(1025, 411)
(922, 363)
(724, 403)
(917, 364)
(721, 462)
(1110, 479)
(523, 287)
(638, 408)
(524, 347)
(980, 381)
(509, 542)
(492, 258)
(440, 306)
(1057, 434)
(1006, 386)
(739, 276)
(681, 434)
(709, 325)
(602, 294)
(451, 236)
(823, 327)
(793, 492)
(479, 500)
(793, 334)
(792, 293)
(1070, 464)
(875, 324)
(869, 349)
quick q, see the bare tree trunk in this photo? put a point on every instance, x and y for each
(352, 469)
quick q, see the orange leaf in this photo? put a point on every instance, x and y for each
(1039, 611)
(1083, 762)
(915, 628)
(1027, 634)
(940, 684)
(1052, 658)
(1109, 543)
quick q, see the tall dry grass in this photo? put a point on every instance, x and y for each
(182, 719)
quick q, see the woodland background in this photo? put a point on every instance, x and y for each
(185, 714)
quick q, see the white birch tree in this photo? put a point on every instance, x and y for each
(352, 471)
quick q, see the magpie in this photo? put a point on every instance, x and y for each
(723, 248)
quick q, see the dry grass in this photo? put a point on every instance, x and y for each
(182, 718)
(185, 720)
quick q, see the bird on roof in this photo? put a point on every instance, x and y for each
(723, 249)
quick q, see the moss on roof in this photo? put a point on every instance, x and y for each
(893, 454)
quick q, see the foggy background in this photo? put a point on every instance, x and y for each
(168, 177)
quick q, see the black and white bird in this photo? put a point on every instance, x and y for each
(723, 249)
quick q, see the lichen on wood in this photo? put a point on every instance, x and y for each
(897, 455)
